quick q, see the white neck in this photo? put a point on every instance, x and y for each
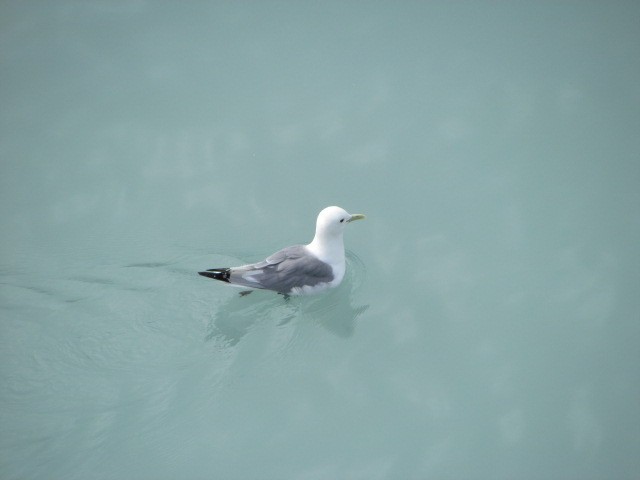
(328, 248)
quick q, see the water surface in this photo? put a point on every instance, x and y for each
(488, 326)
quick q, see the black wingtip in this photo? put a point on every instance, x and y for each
(221, 274)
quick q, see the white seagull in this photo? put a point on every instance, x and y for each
(299, 269)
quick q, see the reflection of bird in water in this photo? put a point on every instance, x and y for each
(333, 311)
(300, 269)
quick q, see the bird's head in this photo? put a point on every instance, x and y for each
(333, 220)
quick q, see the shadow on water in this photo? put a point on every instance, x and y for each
(333, 310)
(235, 317)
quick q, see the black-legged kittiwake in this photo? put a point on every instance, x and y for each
(299, 269)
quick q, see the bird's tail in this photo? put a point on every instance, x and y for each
(221, 274)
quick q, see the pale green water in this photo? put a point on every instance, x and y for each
(488, 326)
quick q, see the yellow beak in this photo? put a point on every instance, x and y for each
(356, 216)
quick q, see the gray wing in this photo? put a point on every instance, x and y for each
(286, 269)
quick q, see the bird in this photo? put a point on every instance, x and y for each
(299, 269)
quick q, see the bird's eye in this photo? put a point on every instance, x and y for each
(341, 220)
